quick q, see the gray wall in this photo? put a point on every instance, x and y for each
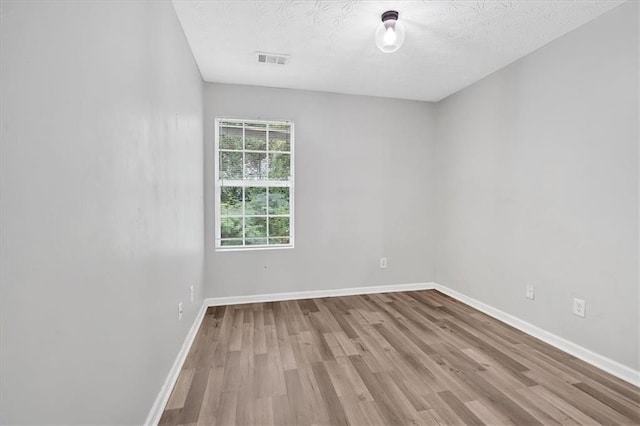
(363, 187)
(537, 182)
(102, 225)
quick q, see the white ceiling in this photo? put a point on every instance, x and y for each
(448, 45)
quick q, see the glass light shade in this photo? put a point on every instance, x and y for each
(390, 35)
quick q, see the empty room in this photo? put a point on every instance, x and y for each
(314, 212)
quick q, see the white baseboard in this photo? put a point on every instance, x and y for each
(276, 297)
(610, 366)
(165, 392)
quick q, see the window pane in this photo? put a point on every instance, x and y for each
(231, 200)
(231, 227)
(255, 166)
(278, 226)
(256, 241)
(230, 124)
(256, 126)
(230, 165)
(230, 138)
(255, 199)
(279, 166)
(255, 140)
(279, 141)
(255, 227)
(279, 200)
(280, 127)
(273, 241)
(230, 242)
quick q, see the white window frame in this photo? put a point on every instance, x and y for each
(254, 183)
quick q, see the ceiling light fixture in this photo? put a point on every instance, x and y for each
(390, 33)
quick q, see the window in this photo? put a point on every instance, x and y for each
(254, 184)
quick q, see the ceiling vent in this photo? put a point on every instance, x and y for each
(272, 58)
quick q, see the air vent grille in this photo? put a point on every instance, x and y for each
(272, 58)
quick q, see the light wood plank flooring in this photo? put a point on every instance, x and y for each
(386, 359)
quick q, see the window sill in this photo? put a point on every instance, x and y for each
(251, 248)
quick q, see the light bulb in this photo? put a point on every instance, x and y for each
(389, 36)
(390, 32)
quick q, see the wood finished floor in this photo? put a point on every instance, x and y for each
(386, 359)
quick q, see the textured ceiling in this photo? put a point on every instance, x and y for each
(449, 44)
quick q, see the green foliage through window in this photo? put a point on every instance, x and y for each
(255, 199)
(279, 200)
(231, 200)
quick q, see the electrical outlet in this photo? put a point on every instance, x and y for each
(180, 310)
(192, 293)
(579, 307)
(383, 263)
(530, 292)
